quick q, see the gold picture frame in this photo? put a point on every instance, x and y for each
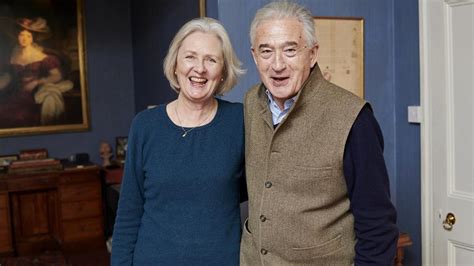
(47, 91)
(202, 8)
(341, 51)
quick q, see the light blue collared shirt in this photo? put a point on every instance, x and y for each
(277, 113)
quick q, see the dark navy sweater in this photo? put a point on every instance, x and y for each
(179, 200)
(368, 188)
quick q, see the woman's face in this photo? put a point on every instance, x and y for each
(25, 38)
(199, 66)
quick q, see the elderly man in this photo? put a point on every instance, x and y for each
(317, 182)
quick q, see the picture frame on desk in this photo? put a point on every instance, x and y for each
(121, 144)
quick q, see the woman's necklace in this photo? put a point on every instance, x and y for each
(186, 131)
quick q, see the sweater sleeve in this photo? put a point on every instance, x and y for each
(369, 193)
(130, 206)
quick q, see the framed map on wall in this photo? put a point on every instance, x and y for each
(341, 51)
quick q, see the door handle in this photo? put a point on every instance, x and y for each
(449, 221)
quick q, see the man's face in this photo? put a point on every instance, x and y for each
(283, 57)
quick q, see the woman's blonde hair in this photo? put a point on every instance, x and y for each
(232, 65)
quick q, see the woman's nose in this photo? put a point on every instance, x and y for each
(200, 67)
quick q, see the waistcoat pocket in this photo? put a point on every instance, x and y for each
(305, 253)
(307, 172)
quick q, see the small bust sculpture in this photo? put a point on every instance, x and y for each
(105, 151)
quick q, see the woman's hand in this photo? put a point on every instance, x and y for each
(31, 85)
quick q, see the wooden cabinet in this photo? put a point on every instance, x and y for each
(6, 246)
(81, 207)
(35, 227)
(50, 211)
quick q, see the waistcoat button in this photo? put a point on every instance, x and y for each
(268, 184)
(264, 251)
(263, 218)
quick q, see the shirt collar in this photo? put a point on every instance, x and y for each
(277, 113)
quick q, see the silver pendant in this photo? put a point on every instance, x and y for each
(184, 134)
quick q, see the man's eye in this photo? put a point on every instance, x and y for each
(266, 54)
(290, 52)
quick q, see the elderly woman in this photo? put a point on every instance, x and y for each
(179, 202)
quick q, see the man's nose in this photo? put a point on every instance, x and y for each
(279, 63)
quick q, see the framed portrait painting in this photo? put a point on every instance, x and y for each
(43, 85)
(341, 51)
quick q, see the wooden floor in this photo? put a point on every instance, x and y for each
(97, 257)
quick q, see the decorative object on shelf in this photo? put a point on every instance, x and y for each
(5, 161)
(34, 160)
(121, 149)
(77, 161)
(105, 151)
(42, 68)
(38, 165)
(33, 154)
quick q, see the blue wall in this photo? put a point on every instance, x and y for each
(154, 24)
(391, 84)
(110, 84)
(407, 92)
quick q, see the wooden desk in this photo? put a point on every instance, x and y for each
(48, 211)
(113, 176)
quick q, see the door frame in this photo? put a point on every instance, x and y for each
(429, 217)
(427, 220)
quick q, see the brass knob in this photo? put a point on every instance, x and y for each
(449, 221)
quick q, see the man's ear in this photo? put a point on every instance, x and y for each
(253, 55)
(314, 54)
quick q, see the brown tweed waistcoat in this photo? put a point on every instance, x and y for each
(298, 206)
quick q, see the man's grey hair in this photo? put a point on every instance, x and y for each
(284, 10)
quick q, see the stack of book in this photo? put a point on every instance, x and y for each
(34, 161)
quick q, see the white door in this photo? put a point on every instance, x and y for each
(447, 92)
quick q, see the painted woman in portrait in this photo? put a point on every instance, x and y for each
(31, 85)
